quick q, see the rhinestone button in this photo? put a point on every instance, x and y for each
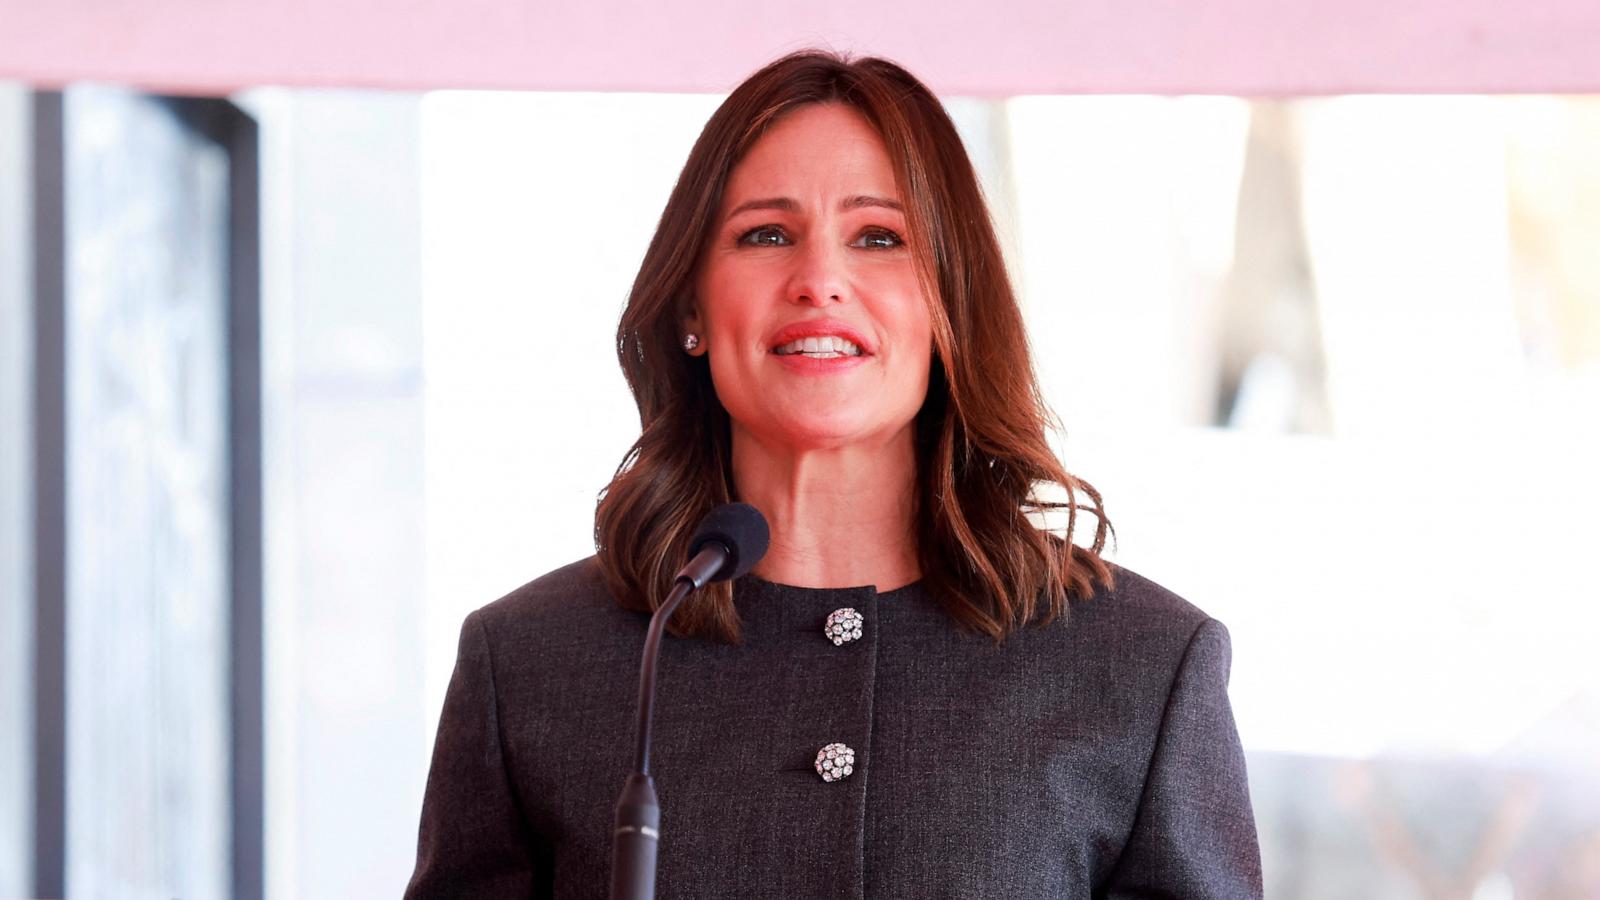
(842, 625)
(835, 761)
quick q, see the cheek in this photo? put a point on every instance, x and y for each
(725, 305)
(910, 322)
(732, 365)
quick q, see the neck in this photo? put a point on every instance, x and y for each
(840, 517)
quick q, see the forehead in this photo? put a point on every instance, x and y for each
(820, 149)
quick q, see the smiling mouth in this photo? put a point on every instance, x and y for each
(828, 347)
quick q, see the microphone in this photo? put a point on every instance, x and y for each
(731, 539)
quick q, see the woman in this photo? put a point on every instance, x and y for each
(823, 328)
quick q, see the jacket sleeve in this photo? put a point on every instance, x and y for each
(1194, 835)
(473, 840)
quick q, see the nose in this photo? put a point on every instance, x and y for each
(819, 276)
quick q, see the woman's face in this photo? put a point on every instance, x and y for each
(806, 298)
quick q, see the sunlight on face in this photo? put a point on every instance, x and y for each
(810, 245)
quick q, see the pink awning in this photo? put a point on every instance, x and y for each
(1252, 47)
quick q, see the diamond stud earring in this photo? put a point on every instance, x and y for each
(691, 341)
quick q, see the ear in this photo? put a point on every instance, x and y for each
(691, 322)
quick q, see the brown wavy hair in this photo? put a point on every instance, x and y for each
(982, 454)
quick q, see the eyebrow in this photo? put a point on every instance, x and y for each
(786, 204)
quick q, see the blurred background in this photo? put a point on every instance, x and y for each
(307, 350)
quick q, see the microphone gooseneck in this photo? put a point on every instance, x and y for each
(731, 539)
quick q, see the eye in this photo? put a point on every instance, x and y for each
(878, 239)
(764, 236)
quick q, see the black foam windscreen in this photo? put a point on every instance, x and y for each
(742, 529)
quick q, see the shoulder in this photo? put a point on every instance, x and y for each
(1137, 620)
(1134, 598)
(570, 602)
(577, 583)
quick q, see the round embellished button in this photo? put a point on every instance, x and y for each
(842, 625)
(835, 761)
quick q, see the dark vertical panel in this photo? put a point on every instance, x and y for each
(244, 444)
(110, 182)
(237, 133)
(50, 536)
(16, 490)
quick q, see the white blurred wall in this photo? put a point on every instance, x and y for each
(343, 455)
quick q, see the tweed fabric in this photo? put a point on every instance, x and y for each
(1092, 757)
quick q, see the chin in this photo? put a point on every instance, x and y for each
(816, 439)
(833, 434)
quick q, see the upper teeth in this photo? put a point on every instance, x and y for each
(826, 344)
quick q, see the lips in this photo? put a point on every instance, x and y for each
(819, 328)
(829, 344)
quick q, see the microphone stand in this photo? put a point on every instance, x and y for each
(638, 823)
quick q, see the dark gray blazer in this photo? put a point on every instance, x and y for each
(1092, 758)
